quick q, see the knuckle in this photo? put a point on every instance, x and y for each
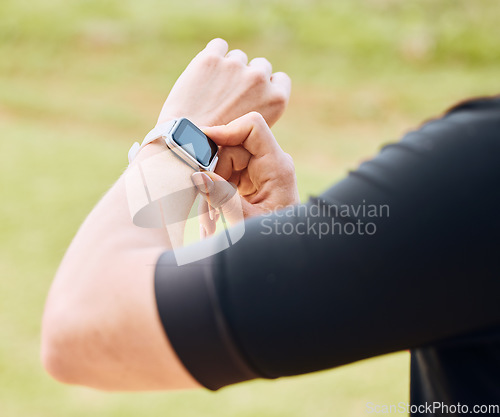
(210, 60)
(217, 43)
(288, 165)
(283, 75)
(256, 118)
(236, 52)
(233, 64)
(223, 42)
(258, 76)
(279, 98)
(289, 170)
(262, 61)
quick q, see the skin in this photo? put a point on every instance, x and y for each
(217, 88)
(100, 325)
(252, 160)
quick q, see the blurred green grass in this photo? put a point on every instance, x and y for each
(81, 79)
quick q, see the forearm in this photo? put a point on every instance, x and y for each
(109, 231)
(104, 286)
(101, 326)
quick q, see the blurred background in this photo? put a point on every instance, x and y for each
(80, 80)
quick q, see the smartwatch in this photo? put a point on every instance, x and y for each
(186, 140)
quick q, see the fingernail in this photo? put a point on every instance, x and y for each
(203, 232)
(203, 182)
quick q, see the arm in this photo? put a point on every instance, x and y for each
(307, 289)
(100, 325)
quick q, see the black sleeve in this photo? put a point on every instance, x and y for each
(401, 253)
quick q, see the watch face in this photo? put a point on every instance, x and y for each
(195, 142)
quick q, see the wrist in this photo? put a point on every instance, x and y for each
(206, 119)
(149, 150)
(159, 190)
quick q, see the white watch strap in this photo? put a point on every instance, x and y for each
(155, 133)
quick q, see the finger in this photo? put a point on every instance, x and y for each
(251, 131)
(211, 212)
(207, 225)
(283, 82)
(263, 65)
(222, 195)
(231, 159)
(238, 55)
(246, 187)
(234, 178)
(215, 188)
(217, 46)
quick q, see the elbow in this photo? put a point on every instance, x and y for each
(58, 350)
(54, 362)
(72, 350)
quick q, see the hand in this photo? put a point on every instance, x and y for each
(111, 261)
(217, 88)
(252, 160)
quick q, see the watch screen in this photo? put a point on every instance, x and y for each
(195, 142)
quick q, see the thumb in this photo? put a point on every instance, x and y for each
(221, 195)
